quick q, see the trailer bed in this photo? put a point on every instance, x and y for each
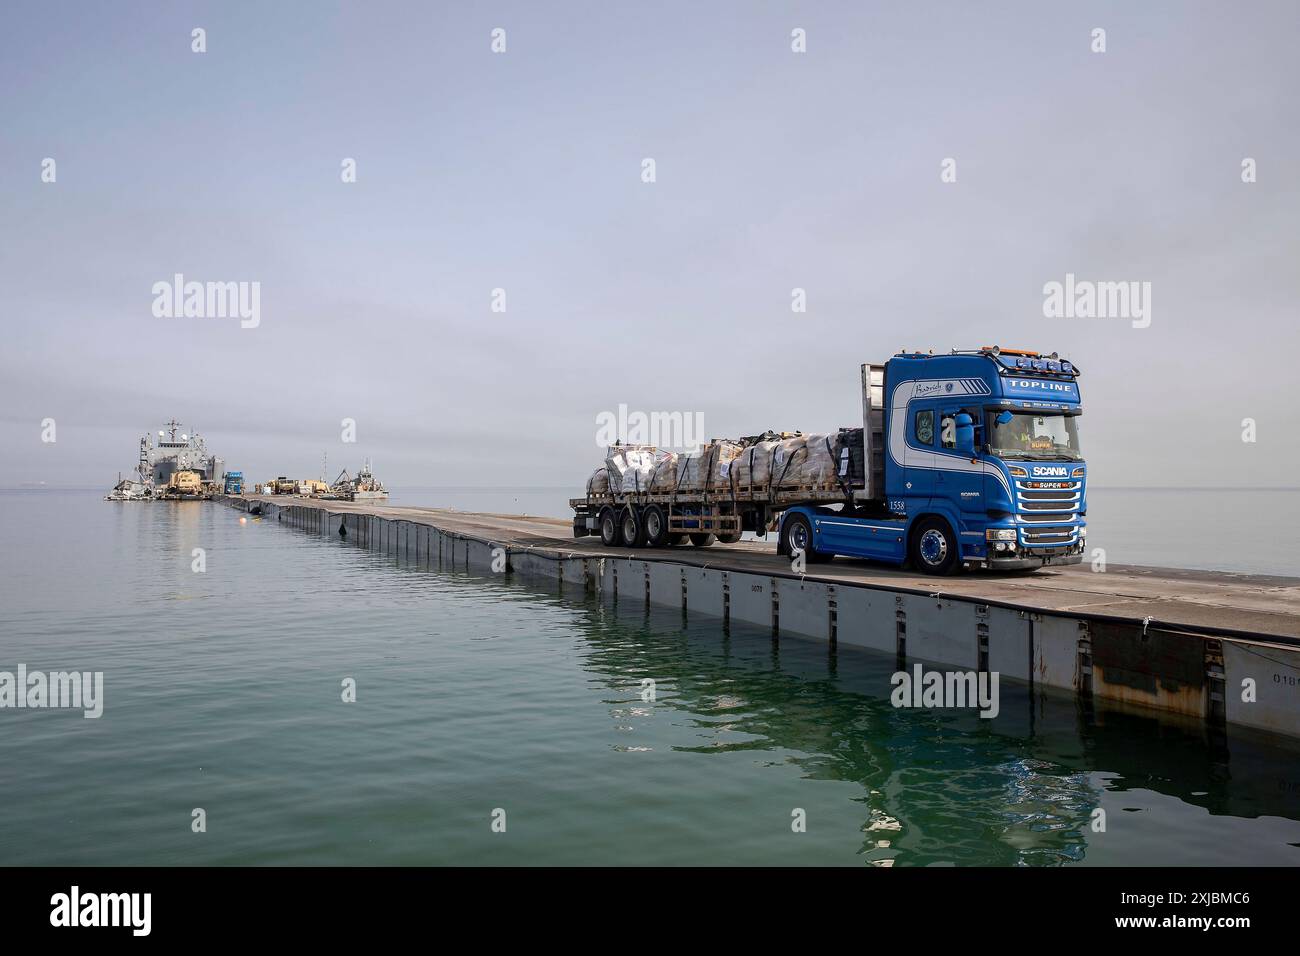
(779, 498)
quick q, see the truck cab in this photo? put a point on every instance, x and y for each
(981, 466)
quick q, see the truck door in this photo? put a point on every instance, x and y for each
(962, 487)
(918, 477)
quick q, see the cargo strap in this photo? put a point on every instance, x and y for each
(784, 469)
(835, 463)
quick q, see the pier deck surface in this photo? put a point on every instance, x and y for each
(1261, 606)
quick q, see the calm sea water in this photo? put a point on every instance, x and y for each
(223, 692)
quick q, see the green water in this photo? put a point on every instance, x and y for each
(477, 693)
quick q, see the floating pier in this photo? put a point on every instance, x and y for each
(1217, 648)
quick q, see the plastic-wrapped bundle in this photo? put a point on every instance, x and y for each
(754, 469)
(726, 455)
(851, 460)
(817, 466)
(708, 469)
(802, 460)
(629, 467)
(598, 483)
(664, 476)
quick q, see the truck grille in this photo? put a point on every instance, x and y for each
(1045, 518)
(1049, 517)
(1045, 536)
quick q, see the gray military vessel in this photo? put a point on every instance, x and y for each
(174, 450)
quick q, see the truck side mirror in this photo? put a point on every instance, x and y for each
(965, 434)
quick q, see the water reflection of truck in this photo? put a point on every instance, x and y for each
(965, 459)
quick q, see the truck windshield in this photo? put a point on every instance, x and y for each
(1035, 436)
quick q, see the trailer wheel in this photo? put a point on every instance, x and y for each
(656, 526)
(608, 528)
(730, 537)
(797, 536)
(933, 549)
(675, 539)
(631, 528)
(702, 540)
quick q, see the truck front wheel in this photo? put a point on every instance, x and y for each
(797, 538)
(933, 549)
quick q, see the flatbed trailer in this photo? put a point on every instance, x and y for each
(725, 511)
(723, 515)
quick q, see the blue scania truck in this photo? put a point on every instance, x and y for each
(966, 459)
(978, 464)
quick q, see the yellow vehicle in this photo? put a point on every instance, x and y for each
(313, 486)
(283, 486)
(185, 484)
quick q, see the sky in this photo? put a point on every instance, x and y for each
(523, 171)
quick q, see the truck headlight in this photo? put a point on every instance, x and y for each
(1083, 532)
(1000, 534)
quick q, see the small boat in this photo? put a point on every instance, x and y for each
(364, 487)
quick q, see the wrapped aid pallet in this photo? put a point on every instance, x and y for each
(802, 461)
(708, 469)
(629, 468)
(816, 466)
(753, 470)
(664, 476)
(598, 483)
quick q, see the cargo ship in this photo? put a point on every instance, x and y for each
(160, 463)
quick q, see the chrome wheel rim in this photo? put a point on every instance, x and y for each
(799, 537)
(934, 547)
